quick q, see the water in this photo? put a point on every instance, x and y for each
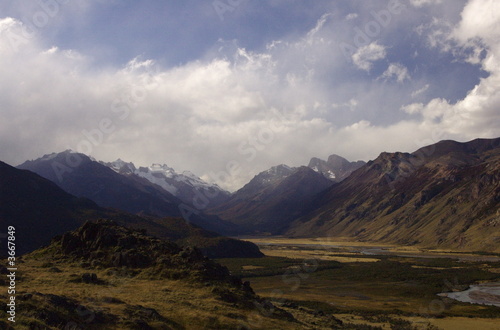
(484, 294)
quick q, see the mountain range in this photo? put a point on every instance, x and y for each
(40, 210)
(444, 195)
(186, 186)
(115, 185)
(276, 196)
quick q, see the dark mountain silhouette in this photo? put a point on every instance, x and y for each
(37, 208)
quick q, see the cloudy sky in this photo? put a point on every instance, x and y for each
(228, 88)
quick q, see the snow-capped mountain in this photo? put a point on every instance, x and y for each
(186, 185)
(82, 176)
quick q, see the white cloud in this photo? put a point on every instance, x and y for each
(285, 104)
(397, 71)
(197, 116)
(413, 108)
(364, 57)
(477, 114)
(420, 91)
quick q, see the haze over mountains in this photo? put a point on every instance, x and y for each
(443, 195)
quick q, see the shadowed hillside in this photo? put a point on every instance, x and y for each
(443, 195)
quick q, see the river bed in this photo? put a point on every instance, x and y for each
(484, 294)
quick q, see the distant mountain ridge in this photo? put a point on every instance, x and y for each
(83, 176)
(185, 186)
(273, 198)
(442, 195)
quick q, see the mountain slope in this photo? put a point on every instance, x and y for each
(271, 198)
(443, 195)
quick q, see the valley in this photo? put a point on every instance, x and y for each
(406, 241)
(353, 282)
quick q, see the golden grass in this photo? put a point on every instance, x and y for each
(188, 304)
(326, 241)
(455, 323)
(348, 243)
(312, 254)
(185, 304)
(355, 319)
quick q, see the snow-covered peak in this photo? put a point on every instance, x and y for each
(183, 186)
(120, 166)
(163, 169)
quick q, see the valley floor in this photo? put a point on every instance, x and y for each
(382, 286)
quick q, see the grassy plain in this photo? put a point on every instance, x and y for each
(385, 291)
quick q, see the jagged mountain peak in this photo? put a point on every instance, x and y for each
(185, 185)
(336, 168)
(267, 178)
(337, 161)
(121, 166)
(279, 170)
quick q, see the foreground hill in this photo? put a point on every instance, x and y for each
(104, 276)
(82, 176)
(273, 197)
(444, 195)
(39, 210)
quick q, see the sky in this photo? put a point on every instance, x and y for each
(228, 88)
